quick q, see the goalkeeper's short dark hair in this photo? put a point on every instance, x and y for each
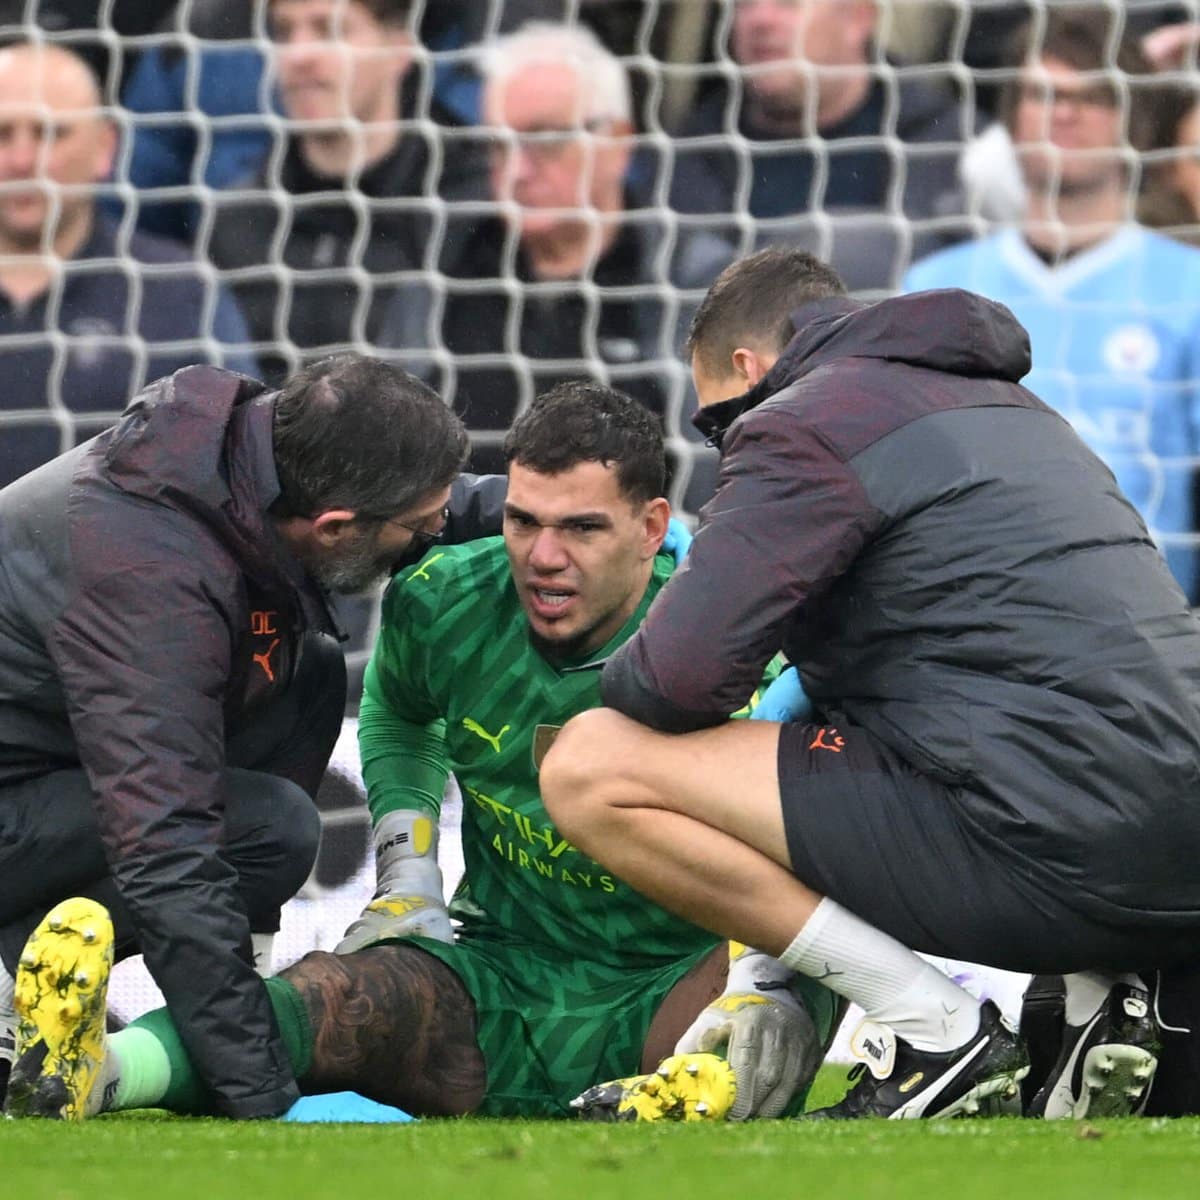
(752, 301)
(354, 432)
(580, 421)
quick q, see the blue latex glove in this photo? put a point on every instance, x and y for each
(347, 1107)
(678, 540)
(784, 700)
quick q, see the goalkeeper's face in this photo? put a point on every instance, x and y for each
(581, 553)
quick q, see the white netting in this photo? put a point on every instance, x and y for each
(205, 151)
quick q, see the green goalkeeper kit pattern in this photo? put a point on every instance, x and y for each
(566, 964)
(456, 685)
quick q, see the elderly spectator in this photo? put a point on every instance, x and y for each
(561, 277)
(1112, 309)
(833, 148)
(87, 314)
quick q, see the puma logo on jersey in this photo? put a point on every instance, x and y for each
(473, 726)
(422, 571)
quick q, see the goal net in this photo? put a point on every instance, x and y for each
(732, 147)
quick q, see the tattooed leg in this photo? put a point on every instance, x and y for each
(394, 1024)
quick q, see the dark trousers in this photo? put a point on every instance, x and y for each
(50, 845)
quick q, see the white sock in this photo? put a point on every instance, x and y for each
(1086, 991)
(8, 1015)
(894, 986)
(263, 947)
(136, 1072)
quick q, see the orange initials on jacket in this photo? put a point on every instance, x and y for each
(262, 623)
(827, 738)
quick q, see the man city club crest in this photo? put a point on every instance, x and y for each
(543, 739)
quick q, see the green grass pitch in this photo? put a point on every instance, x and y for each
(137, 1157)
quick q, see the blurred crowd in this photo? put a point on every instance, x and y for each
(504, 194)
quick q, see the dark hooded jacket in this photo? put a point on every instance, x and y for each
(952, 570)
(142, 588)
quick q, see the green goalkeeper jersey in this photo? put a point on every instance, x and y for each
(455, 684)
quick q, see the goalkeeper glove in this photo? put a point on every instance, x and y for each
(766, 1034)
(784, 700)
(346, 1107)
(408, 894)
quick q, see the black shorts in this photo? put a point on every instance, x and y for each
(866, 829)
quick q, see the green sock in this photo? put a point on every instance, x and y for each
(136, 1072)
(156, 1040)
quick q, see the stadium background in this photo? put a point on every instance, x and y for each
(676, 55)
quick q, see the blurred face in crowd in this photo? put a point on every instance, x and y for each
(1067, 126)
(776, 38)
(335, 60)
(581, 553)
(549, 151)
(55, 145)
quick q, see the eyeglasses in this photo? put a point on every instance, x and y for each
(542, 145)
(424, 538)
(1097, 95)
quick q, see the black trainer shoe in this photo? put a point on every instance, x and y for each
(897, 1081)
(1105, 1067)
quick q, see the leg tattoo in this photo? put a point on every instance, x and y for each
(395, 1024)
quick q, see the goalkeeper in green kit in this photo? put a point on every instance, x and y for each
(558, 976)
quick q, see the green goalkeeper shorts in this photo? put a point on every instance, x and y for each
(550, 1026)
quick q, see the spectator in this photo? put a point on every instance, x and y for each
(231, 95)
(226, 78)
(1112, 309)
(86, 312)
(561, 277)
(355, 192)
(988, 29)
(833, 148)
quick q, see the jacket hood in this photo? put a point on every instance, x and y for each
(947, 330)
(200, 441)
